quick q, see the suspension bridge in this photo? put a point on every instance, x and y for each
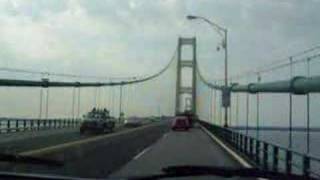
(42, 117)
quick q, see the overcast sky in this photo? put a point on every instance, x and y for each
(138, 37)
(119, 38)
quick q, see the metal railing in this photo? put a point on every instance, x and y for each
(266, 155)
(12, 125)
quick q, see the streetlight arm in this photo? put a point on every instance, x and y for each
(219, 28)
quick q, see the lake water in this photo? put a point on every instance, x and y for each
(299, 139)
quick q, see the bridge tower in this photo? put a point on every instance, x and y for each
(186, 63)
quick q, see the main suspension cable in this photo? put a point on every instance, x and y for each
(30, 83)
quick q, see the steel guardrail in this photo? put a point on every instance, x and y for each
(266, 155)
(12, 125)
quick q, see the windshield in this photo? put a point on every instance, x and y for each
(114, 89)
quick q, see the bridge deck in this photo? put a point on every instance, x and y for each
(19, 142)
(126, 152)
(178, 148)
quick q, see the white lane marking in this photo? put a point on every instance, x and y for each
(142, 152)
(231, 152)
(148, 148)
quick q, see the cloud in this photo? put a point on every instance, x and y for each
(138, 37)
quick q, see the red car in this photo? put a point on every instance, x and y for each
(180, 123)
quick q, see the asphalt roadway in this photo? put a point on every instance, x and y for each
(29, 140)
(127, 152)
(193, 147)
(85, 156)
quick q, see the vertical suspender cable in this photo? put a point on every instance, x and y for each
(258, 111)
(210, 112)
(47, 103)
(220, 111)
(112, 101)
(73, 101)
(127, 99)
(99, 97)
(40, 105)
(131, 99)
(308, 110)
(120, 103)
(126, 90)
(215, 106)
(229, 114)
(247, 112)
(237, 109)
(78, 113)
(136, 98)
(130, 96)
(290, 109)
(230, 109)
(109, 100)
(124, 96)
(106, 97)
(94, 97)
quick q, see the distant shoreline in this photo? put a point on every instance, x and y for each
(276, 128)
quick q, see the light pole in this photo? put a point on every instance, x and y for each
(224, 33)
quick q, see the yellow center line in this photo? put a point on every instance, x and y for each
(80, 142)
